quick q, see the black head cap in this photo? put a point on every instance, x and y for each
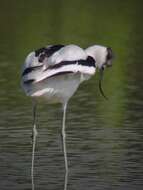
(109, 54)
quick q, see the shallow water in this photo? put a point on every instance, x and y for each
(104, 138)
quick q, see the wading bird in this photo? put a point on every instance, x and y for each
(53, 74)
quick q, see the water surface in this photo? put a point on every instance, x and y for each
(104, 138)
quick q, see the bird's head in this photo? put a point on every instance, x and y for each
(103, 57)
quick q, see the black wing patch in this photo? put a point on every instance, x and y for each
(29, 81)
(44, 52)
(90, 62)
(30, 69)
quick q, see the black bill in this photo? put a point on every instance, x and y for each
(100, 84)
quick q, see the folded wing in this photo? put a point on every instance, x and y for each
(56, 60)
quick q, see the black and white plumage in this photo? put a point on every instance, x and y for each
(101, 54)
(54, 73)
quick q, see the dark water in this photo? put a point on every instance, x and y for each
(104, 138)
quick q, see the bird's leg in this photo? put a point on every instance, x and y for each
(64, 144)
(34, 135)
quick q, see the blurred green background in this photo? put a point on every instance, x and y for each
(105, 138)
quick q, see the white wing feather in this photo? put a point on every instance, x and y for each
(67, 53)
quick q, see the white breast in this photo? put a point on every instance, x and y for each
(56, 89)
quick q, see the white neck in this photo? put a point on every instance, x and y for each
(99, 53)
